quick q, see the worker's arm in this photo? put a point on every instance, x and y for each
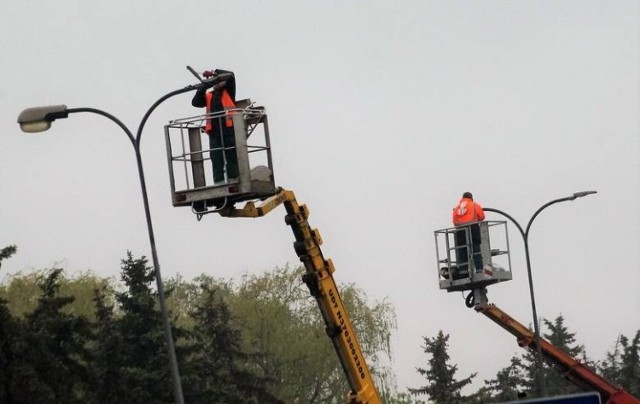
(199, 99)
(230, 82)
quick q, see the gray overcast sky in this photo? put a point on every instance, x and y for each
(381, 115)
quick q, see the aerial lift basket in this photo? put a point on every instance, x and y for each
(473, 255)
(189, 156)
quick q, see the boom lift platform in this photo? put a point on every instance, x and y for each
(255, 184)
(190, 168)
(465, 265)
(455, 250)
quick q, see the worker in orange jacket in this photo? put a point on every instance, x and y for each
(467, 211)
(220, 97)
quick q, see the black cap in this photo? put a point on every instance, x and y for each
(467, 195)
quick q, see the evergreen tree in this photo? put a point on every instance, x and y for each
(143, 359)
(442, 386)
(482, 396)
(280, 338)
(555, 383)
(218, 371)
(629, 376)
(403, 398)
(7, 252)
(107, 355)
(561, 338)
(51, 352)
(610, 367)
(509, 382)
(9, 331)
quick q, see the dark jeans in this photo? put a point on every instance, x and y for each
(227, 141)
(462, 252)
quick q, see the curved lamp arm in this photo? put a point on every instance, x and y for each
(107, 115)
(38, 119)
(160, 101)
(505, 214)
(573, 197)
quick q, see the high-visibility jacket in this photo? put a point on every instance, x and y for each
(467, 211)
(227, 103)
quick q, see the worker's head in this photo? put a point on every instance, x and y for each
(467, 195)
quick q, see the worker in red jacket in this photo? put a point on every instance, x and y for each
(218, 98)
(467, 211)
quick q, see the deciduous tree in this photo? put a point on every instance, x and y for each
(282, 323)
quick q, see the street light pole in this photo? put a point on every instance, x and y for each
(542, 391)
(39, 119)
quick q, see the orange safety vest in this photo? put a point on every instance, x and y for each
(227, 103)
(467, 211)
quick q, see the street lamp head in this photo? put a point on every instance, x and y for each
(39, 119)
(583, 193)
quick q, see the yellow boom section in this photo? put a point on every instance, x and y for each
(319, 280)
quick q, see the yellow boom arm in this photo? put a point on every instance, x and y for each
(319, 280)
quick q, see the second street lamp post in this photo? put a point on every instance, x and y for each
(525, 236)
(39, 119)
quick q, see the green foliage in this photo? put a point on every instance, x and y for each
(143, 357)
(442, 386)
(630, 364)
(609, 368)
(282, 323)
(183, 296)
(49, 355)
(107, 357)
(622, 366)
(130, 353)
(218, 367)
(7, 252)
(402, 398)
(82, 287)
(78, 340)
(482, 396)
(9, 335)
(251, 342)
(274, 313)
(23, 292)
(520, 375)
(508, 384)
(560, 337)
